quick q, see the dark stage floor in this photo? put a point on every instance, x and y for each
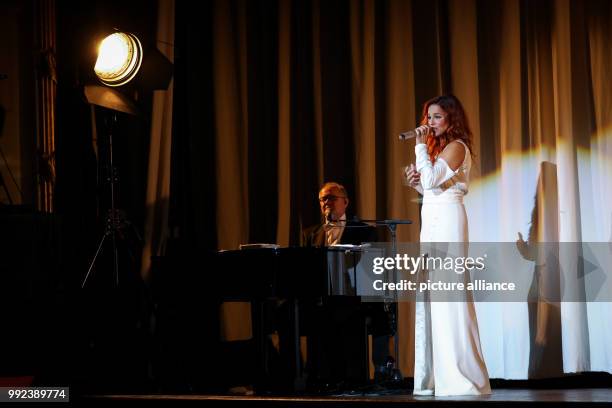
(500, 397)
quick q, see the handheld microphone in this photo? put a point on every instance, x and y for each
(421, 130)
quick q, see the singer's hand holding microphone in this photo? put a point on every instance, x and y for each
(413, 177)
(420, 133)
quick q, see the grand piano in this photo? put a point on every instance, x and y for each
(321, 294)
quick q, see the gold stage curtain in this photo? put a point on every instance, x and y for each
(309, 91)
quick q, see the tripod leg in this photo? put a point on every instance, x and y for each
(6, 190)
(116, 259)
(93, 262)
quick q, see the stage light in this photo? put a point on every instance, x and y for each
(119, 59)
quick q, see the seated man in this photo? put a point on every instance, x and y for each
(334, 228)
(337, 347)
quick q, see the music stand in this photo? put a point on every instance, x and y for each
(115, 221)
(396, 374)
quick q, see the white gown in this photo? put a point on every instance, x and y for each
(448, 356)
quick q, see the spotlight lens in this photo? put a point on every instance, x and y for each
(119, 58)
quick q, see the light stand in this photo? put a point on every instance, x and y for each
(6, 163)
(3, 184)
(115, 221)
(120, 58)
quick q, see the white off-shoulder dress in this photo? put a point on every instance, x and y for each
(448, 356)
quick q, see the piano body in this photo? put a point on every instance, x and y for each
(313, 292)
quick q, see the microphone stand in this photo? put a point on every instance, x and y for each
(396, 374)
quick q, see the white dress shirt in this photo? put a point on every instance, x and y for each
(334, 230)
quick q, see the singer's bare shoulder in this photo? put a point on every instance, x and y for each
(453, 154)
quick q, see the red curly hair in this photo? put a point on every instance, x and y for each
(458, 126)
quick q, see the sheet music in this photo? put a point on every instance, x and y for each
(259, 245)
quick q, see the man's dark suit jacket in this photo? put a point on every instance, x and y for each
(354, 233)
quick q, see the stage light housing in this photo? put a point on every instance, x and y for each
(119, 59)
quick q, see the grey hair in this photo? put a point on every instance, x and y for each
(333, 184)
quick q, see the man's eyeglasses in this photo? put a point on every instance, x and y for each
(330, 198)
